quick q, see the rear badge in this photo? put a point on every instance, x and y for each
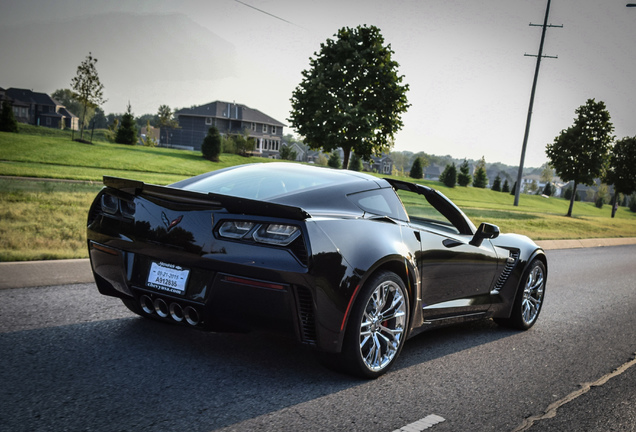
(170, 224)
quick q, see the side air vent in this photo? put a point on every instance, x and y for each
(299, 249)
(505, 274)
(306, 315)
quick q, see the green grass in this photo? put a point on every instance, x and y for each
(47, 220)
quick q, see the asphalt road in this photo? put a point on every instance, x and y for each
(74, 360)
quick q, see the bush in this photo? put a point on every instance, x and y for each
(7, 119)
(355, 163)
(449, 175)
(417, 171)
(211, 147)
(632, 202)
(334, 160)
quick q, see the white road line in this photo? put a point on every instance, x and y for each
(421, 424)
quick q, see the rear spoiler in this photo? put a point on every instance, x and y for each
(231, 204)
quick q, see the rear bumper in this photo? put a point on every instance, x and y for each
(215, 300)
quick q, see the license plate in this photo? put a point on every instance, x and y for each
(168, 277)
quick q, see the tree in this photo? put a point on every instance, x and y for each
(547, 190)
(70, 101)
(89, 91)
(496, 185)
(481, 178)
(244, 143)
(127, 132)
(464, 178)
(449, 175)
(621, 172)
(287, 153)
(334, 160)
(506, 186)
(513, 191)
(211, 147)
(355, 163)
(416, 169)
(148, 140)
(352, 96)
(7, 119)
(580, 153)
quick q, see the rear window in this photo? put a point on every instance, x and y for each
(263, 182)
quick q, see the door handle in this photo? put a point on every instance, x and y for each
(450, 243)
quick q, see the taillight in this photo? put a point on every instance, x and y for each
(112, 205)
(276, 234)
(272, 234)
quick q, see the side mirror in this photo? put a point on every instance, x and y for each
(485, 231)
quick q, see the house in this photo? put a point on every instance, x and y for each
(39, 109)
(381, 164)
(432, 172)
(229, 119)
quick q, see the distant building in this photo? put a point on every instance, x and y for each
(229, 119)
(380, 164)
(39, 109)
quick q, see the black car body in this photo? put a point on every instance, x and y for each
(349, 263)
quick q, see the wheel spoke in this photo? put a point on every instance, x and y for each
(382, 326)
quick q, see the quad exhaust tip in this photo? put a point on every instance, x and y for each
(173, 310)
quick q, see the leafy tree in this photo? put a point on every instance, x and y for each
(506, 186)
(355, 163)
(449, 175)
(244, 143)
(100, 120)
(496, 185)
(70, 100)
(464, 178)
(211, 147)
(352, 96)
(622, 169)
(287, 153)
(416, 169)
(322, 160)
(581, 152)
(334, 160)
(127, 132)
(632, 203)
(89, 91)
(148, 140)
(481, 178)
(8, 122)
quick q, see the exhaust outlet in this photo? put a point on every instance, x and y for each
(191, 315)
(176, 312)
(161, 307)
(146, 304)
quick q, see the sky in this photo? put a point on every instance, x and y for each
(464, 61)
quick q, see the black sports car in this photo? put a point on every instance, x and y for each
(349, 263)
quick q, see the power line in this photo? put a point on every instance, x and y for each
(266, 13)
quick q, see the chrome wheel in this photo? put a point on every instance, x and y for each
(383, 325)
(533, 295)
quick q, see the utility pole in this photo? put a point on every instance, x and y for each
(534, 88)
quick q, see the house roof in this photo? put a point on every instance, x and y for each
(29, 96)
(66, 112)
(220, 109)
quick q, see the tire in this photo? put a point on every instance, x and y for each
(529, 298)
(377, 326)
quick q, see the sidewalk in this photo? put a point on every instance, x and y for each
(26, 274)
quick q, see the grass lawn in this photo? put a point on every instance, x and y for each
(47, 220)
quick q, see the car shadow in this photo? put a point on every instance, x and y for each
(176, 376)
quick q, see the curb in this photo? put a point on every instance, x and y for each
(28, 274)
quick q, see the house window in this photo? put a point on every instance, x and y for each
(254, 127)
(208, 120)
(387, 169)
(264, 128)
(48, 121)
(276, 145)
(273, 129)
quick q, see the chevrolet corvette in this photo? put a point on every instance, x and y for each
(347, 263)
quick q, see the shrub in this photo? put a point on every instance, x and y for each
(211, 146)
